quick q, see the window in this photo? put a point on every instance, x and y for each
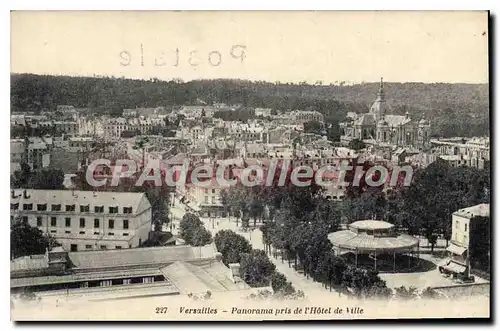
(96, 233)
(118, 247)
(148, 280)
(56, 207)
(73, 248)
(41, 207)
(28, 206)
(113, 210)
(38, 221)
(53, 231)
(82, 232)
(67, 232)
(68, 222)
(84, 285)
(82, 222)
(88, 246)
(127, 210)
(99, 209)
(465, 226)
(125, 234)
(126, 281)
(111, 224)
(14, 206)
(84, 209)
(104, 283)
(25, 219)
(111, 234)
(457, 225)
(213, 190)
(53, 221)
(103, 246)
(125, 224)
(70, 207)
(96, 223)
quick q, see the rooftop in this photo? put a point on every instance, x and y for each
(83, 198)
(348, 239)
(477, 210)
(371, 225)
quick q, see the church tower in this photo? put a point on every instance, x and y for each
(379, 107)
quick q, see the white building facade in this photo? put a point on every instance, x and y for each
(85, 220)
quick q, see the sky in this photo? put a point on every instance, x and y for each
(326, 47)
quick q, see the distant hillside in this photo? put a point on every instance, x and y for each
(455, 109)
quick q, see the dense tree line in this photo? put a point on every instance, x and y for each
(193, 232)
(454, 109)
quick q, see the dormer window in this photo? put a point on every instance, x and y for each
(113, 210)
(28, 206)
(70, 207)
(85, 209)
(14, 206)
(41, 207)
(127, 210)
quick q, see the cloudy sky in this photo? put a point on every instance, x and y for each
(273, 46)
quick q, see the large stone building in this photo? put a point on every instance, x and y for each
(379, 127)
(85, 220)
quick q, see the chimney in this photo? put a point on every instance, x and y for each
(234, 272)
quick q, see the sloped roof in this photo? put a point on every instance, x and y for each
(31, 262)
(191, 279)
(81, 198)
(130, 257)
(365, 119)
(477, 210)
(363, 242)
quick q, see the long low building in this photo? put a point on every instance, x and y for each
(135, 272)
(85, 220)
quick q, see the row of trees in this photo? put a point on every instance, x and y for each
(256, 268)
(297, 222)
(193, 232)
(41, 179)
(425, 206)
